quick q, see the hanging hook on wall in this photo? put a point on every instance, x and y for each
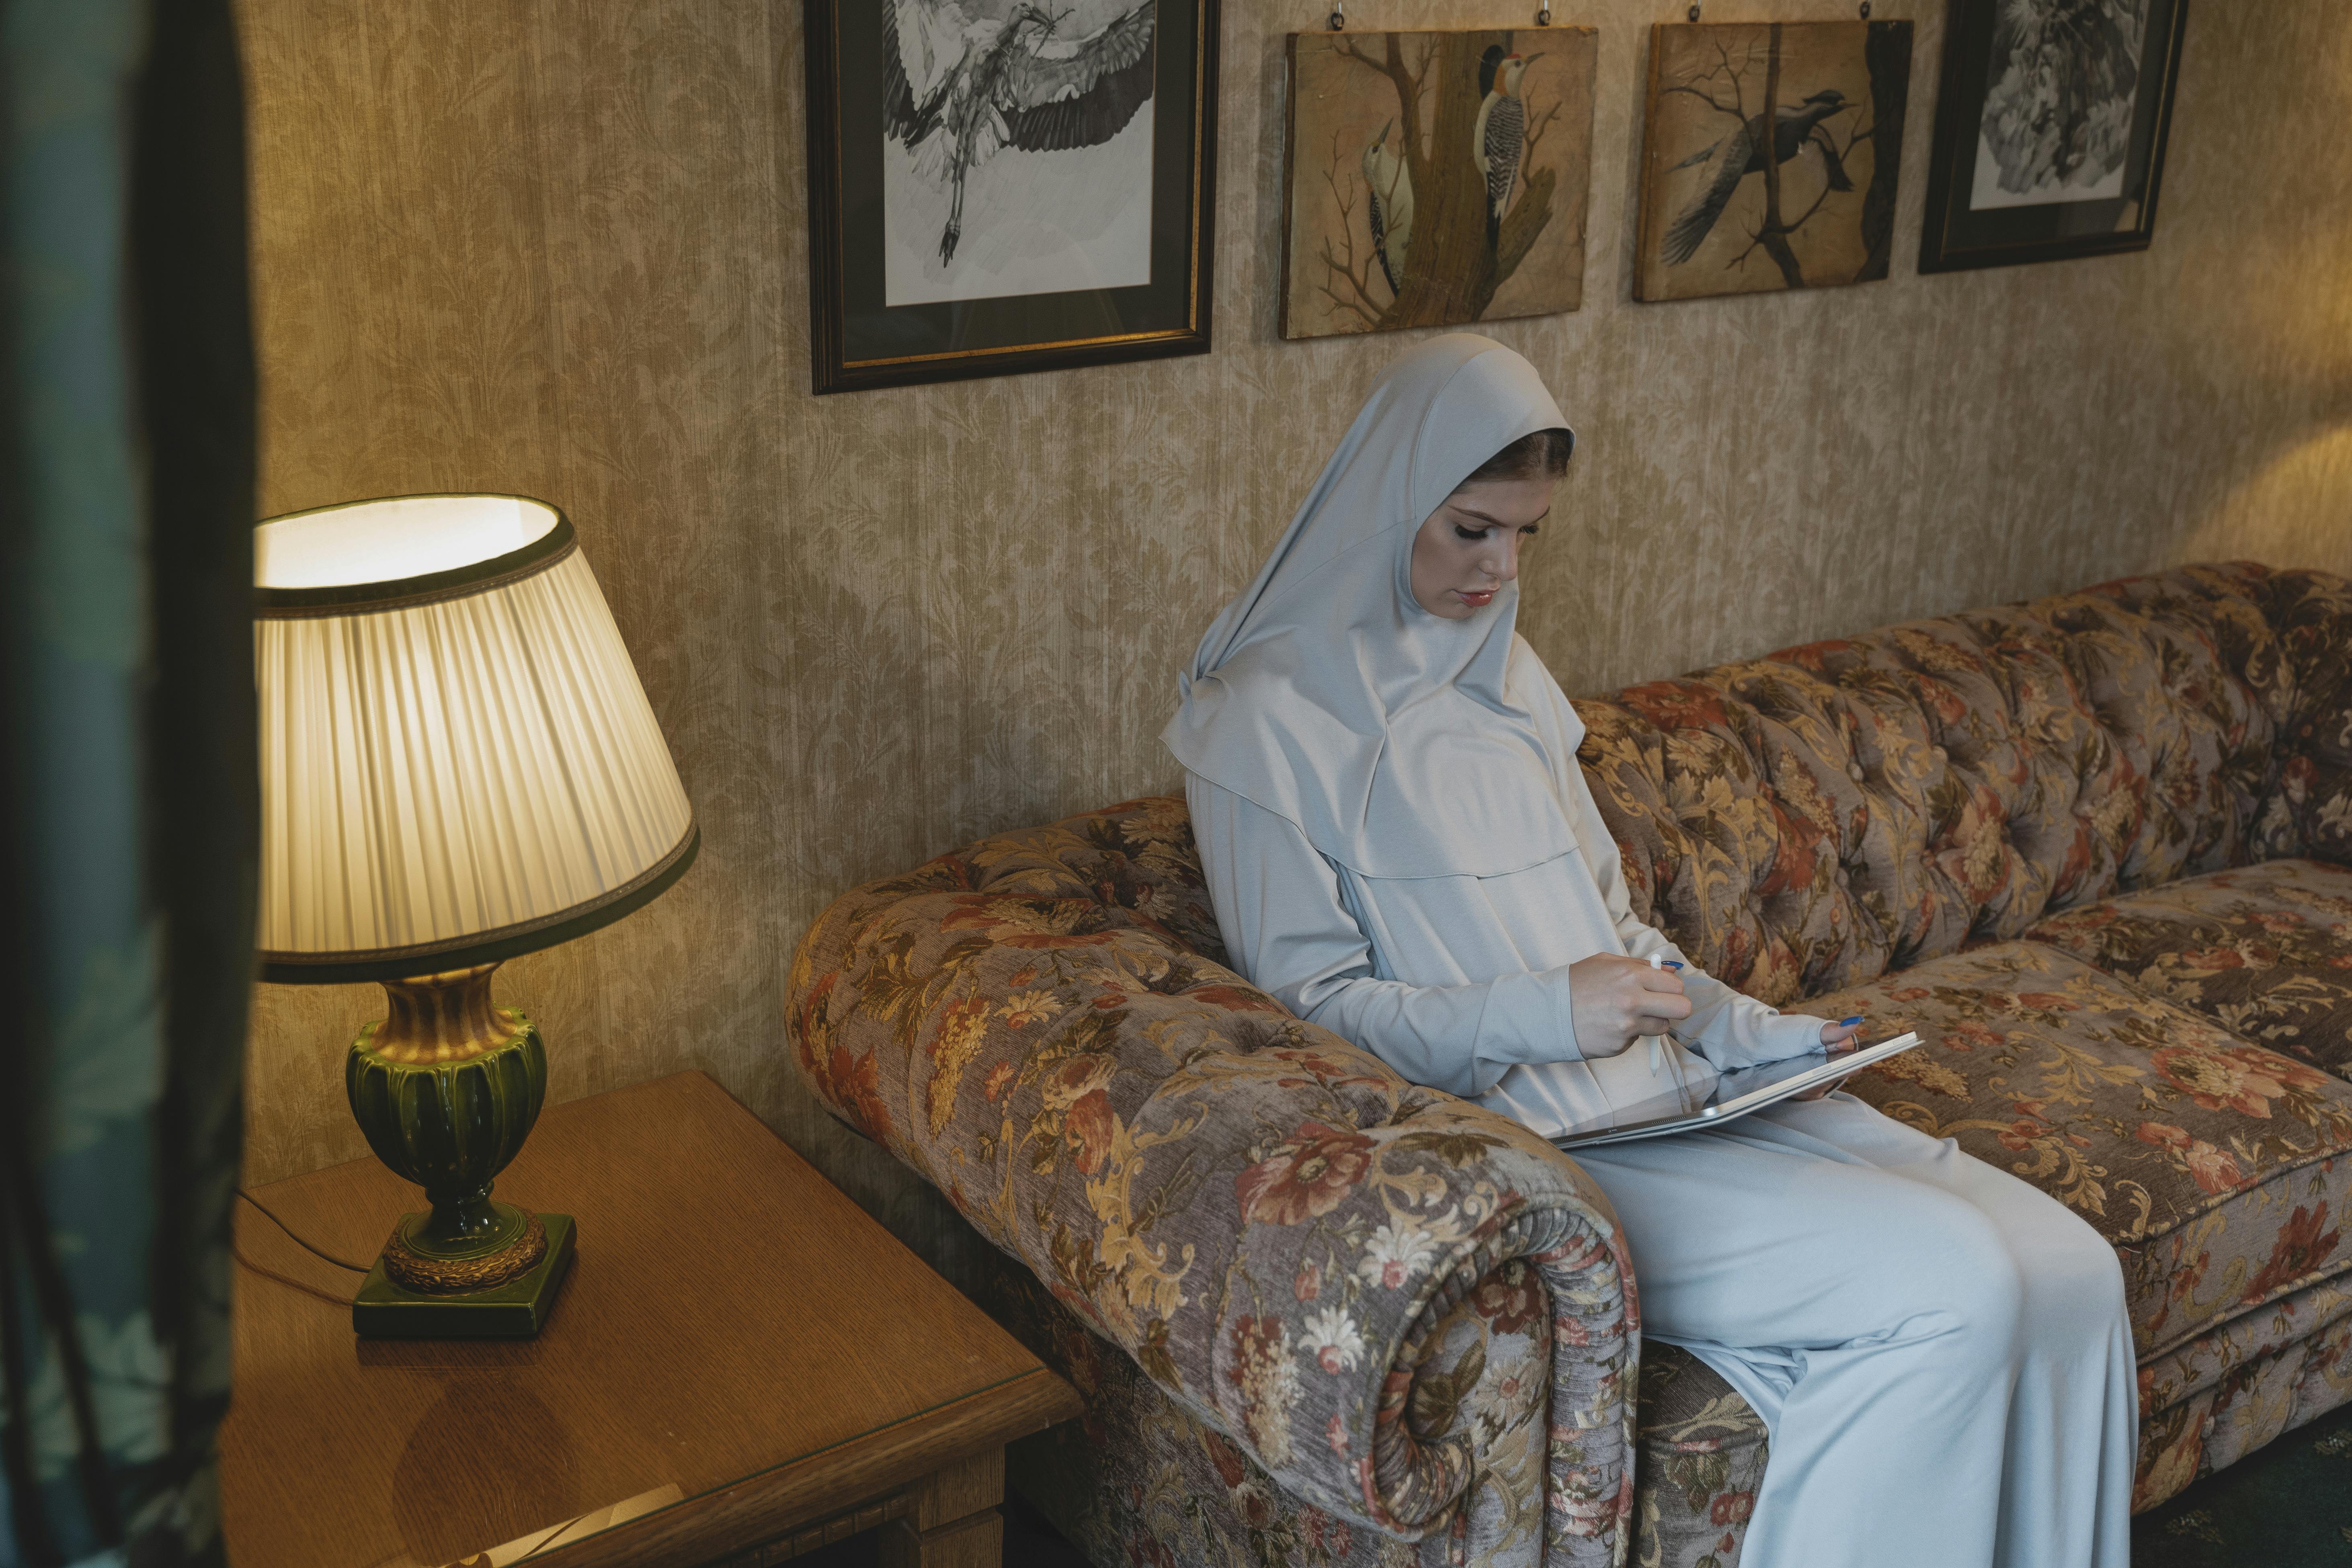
(1865, 10)
(1693, 12)
(1543, 16)
(1338, 15)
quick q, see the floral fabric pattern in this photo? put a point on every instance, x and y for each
(2219, 1170)
(2254, 1404)
(1359, 1285)
(2209, 1360)
(2264, 951)
(1141, 1479)
(2311, 612)
(1322, 1316)
(1704, 1450)
(1813, 819)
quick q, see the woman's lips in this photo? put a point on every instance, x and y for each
(1478, 600)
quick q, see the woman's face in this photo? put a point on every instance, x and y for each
(1469, 547)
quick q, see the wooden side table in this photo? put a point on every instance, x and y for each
(742, 1366)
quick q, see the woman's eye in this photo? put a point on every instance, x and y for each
(1462, 533)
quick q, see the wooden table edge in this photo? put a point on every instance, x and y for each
(772, 1503)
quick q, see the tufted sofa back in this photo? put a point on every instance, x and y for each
(1807, 820)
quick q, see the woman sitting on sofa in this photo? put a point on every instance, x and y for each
(1402, 848)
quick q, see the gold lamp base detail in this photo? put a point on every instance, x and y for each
(516, 1308)
(435, 1275)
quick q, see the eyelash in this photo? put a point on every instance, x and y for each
(1476, 533)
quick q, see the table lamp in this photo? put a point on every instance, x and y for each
(458, 765)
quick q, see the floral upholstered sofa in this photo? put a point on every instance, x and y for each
(2098, 847)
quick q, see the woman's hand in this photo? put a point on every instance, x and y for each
(1838, 1039)
(1614, 1001)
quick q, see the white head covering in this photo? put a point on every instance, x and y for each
(1326, 695)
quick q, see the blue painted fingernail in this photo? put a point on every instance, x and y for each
(1855, 1019)
(1670, 964)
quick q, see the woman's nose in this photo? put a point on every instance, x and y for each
(1507, 568)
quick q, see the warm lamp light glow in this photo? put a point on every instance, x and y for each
(385, 541)
(458, 761)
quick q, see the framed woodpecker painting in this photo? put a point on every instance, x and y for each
(2050, 130)
(1770, 156)
(1435, 179)
(998, 187)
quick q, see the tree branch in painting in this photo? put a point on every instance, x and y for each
(1776, 134)
(1342, 265)
(1428, 185)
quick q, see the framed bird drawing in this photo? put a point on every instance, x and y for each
(1770, 156)
(2050, 130)
(1007, 186)
(1435, 179)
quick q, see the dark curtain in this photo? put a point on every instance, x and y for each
(127, 770)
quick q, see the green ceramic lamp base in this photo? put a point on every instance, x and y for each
(446, 1086)
(385, 1309)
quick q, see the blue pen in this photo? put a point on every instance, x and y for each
(1656, 962)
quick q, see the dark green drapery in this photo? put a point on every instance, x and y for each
(126, 768)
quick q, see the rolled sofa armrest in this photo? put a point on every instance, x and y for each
(1270, 1222)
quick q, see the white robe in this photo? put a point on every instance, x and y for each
(1940, 1350)
(1400, 846)
(1488, 956)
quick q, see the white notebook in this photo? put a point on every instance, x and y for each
(1737, 1093)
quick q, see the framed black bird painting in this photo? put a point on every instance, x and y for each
(1006, 186)
(1770, 156)
(2050, 130)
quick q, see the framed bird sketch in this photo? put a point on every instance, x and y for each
(1719, 215)
(1435, 179)
(1003, 186)
(2050, 130)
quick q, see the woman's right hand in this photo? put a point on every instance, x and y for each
(1614, 1001)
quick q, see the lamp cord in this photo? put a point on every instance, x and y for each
(315, 1252)
(327, 1296)
(319, 1253)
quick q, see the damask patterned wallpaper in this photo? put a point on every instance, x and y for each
(560, 249)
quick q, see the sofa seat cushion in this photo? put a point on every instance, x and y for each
(2207, 1361)
(2263, 951)
(2219, 1170)
(2255, 1401)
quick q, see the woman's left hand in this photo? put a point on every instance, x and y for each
(1838, 1038)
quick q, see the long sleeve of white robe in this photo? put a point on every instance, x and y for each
(1454, 980)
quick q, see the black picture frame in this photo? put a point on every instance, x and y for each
(1955, 236)
(858, 340)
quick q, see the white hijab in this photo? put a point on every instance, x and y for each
(1326, 695)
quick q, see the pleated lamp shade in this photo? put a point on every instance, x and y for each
(457, 763)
